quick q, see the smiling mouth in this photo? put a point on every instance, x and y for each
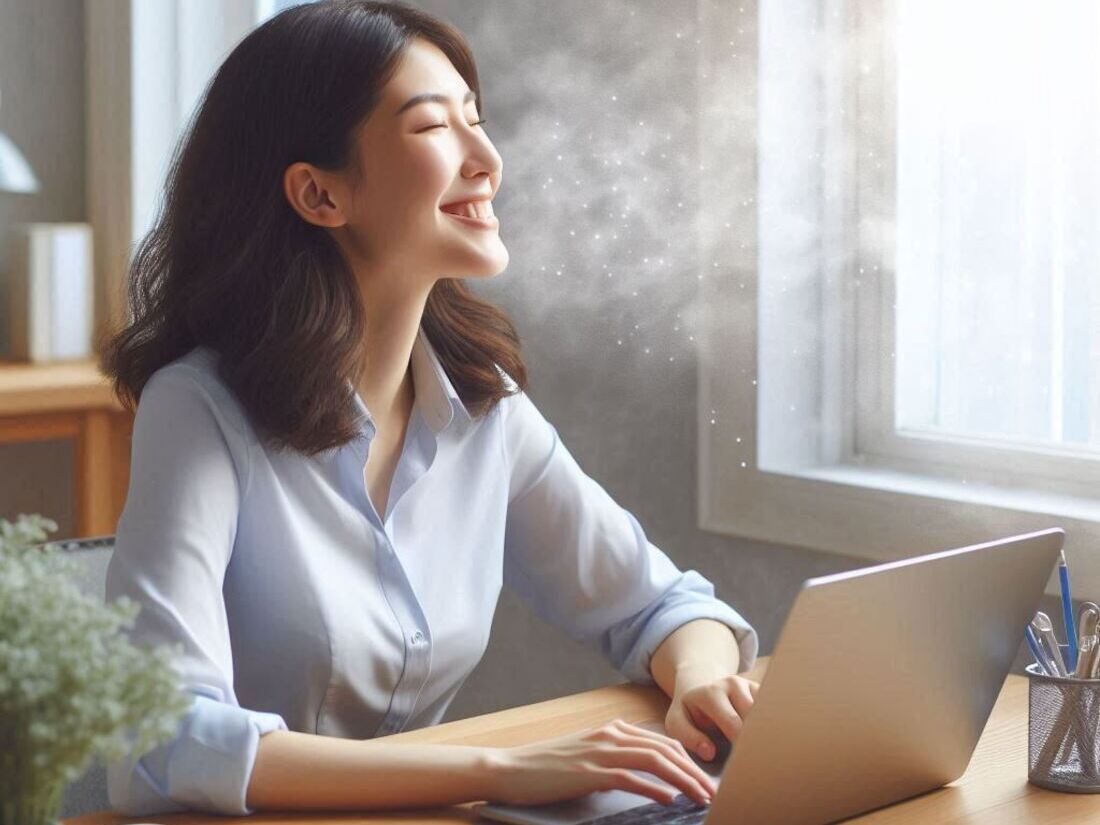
(473, 213)
(470, 209)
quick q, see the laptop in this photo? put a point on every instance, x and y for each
(878, 690)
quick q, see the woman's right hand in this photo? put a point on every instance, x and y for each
(597, 759)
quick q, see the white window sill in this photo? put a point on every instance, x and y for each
(1033, 503)
(885, 514)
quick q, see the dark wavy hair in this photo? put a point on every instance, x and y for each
(230, 265)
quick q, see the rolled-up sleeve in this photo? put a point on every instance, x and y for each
(189, 467)
(584, 564)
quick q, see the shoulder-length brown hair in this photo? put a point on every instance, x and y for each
(231, 266)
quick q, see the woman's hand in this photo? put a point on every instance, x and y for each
(597, 759)
(702, 699)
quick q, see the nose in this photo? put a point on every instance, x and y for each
(482, 158)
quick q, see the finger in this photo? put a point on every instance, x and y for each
(673, 750)
(716, 703)
(656, 736)
(680, 723)
(624, 780)
(754, 688)
(652, 761)
(740, 696)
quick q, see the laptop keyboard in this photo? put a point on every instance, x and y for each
(683, 810)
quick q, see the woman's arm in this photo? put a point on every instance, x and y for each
(702, 646)
(296, 770)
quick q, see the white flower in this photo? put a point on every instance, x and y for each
(72, 686)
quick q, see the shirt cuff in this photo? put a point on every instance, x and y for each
(662, 625)
(207, 766)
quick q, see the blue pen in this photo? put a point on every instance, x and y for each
(1067, 614)
(1037, 650)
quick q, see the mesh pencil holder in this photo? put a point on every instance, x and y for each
(1063, 732)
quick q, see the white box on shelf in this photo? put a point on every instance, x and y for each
(51, 291)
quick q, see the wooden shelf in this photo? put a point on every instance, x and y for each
(73, 400)
(71, 385)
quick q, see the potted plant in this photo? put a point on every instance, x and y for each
(72, 686)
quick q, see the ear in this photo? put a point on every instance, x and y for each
(315, 195)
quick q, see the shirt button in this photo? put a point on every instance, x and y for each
(417, 637)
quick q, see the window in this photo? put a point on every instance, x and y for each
(997, 207)
(904, 327)
(148, 66)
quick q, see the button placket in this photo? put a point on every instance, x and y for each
(417, 649)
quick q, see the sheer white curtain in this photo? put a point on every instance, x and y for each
(998, 220)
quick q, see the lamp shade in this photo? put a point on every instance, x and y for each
(15, 172)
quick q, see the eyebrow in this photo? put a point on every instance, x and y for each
(431, 97)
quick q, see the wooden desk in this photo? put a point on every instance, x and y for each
(73, 400)
(993, 791)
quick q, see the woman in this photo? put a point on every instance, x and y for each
(335, 466)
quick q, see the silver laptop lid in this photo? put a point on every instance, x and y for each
(882, 681)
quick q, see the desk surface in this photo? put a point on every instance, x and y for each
(993, 791)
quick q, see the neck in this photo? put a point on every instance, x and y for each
(385, 378)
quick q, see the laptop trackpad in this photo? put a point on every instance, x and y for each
(593, 805)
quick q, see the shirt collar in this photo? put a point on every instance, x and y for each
(436, 397)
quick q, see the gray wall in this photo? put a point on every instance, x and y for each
(628, 416)
(42, 111)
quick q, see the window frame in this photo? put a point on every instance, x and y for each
(964, 458)
(838, 485)
(147, 61)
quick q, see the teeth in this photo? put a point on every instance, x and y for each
(472, 209)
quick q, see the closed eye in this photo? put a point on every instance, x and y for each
(444, 125)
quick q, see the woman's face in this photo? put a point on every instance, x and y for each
(413, 161)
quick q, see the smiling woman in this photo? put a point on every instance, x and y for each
(335, 466)
(303, 201)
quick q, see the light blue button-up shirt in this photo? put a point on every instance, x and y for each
(299, 606)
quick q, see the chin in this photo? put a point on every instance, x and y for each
(487, 265)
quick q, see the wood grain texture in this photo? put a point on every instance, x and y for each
(36, 388)
(73, 400)
(993, 791)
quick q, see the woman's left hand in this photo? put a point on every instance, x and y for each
(705, 699)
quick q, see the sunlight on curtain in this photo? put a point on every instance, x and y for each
(998, 220)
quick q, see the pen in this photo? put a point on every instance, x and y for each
(1088, 619)
(1044, 632)
(1037, 651)
(1086, 657)
(1067, 613)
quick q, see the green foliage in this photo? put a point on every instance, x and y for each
(72, 685)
